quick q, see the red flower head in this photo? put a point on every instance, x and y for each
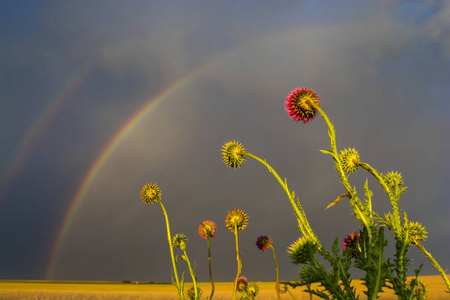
(297, 106)
(207, 229)
(263, 242)
(242, 283)
(351, 242)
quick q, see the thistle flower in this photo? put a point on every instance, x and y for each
(281, 287)
(263, 242)
(349, 158)
(393, 180)
(180, 241)
(242, 283)
(416, 232)
(351, 242)
(420, 291)
(231, 154)
(297, 107)
(191, 293)
(301, 251)
(236, 218)
(151, 193)
(252, 290)
(207, 229)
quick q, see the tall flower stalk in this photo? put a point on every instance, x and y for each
(207, 230)
(151, 193)
(263, 242)
(236, 221)
(180, 241)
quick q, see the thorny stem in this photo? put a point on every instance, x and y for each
(169, 238)
(210, 269)
(435, 263)
(238, 262)
(276, 262)
(194, 278)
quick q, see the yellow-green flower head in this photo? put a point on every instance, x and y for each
(349, 159)
(151, 193)
(252, 290)
(191, 292)
(420, 291)
(242, 283)
(207, 229)
(281, 287)
(180, 241)
(393, 180)
(236, 218)
(231, 154)
(297, 106)
(416, 232)
(301, 251)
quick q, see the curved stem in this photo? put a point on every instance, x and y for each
(276, 262)
(210, 269)
(194, 278)
(238, 258)
(174, 264)
(435, 264)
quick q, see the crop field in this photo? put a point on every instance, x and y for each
(46, 290)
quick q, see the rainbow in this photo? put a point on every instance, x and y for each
(24, 149)
(105, 153)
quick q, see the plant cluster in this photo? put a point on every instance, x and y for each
(364, 249)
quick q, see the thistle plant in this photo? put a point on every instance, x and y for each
(151, 193)
(236, 221)
(207, 230)
(263, 242)
(180, 241)
(250, 291)
(363, 249)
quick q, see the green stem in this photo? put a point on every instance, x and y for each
(276, 262)
(174, 264)
(210, 269)
(194, 278)
(238, 263)
(435, 264)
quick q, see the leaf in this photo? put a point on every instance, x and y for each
(336, 201)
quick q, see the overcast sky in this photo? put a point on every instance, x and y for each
(75, 74)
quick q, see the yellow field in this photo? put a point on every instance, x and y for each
(43, 290)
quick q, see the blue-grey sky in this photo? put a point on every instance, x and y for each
(74, 74)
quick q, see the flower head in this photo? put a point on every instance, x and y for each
(351, 242)
(180, 241)
(236, 218)
(252, 290)
(207, 229)
(282, 287)
(416, 232)
(393, 180)
(151, 193)
(263, 242)
(242, 283)
(297, 104)
(301, 251)
(349, 159)
(420, 291)
(231, 154)
(191, 292)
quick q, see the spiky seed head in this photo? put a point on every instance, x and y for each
(416, 232)
(191, 292)
(281, 287)
(242, 283)
(351, 243)
(420, 291)
(263, 242)
(297, 104)
(393, 180)
(236, 218)
(207, 229)
(151, 193)
(231, 154)
(301, 251)
(252, 290)
(180, 241)
(349, 159)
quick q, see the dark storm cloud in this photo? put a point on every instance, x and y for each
(380, 70)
